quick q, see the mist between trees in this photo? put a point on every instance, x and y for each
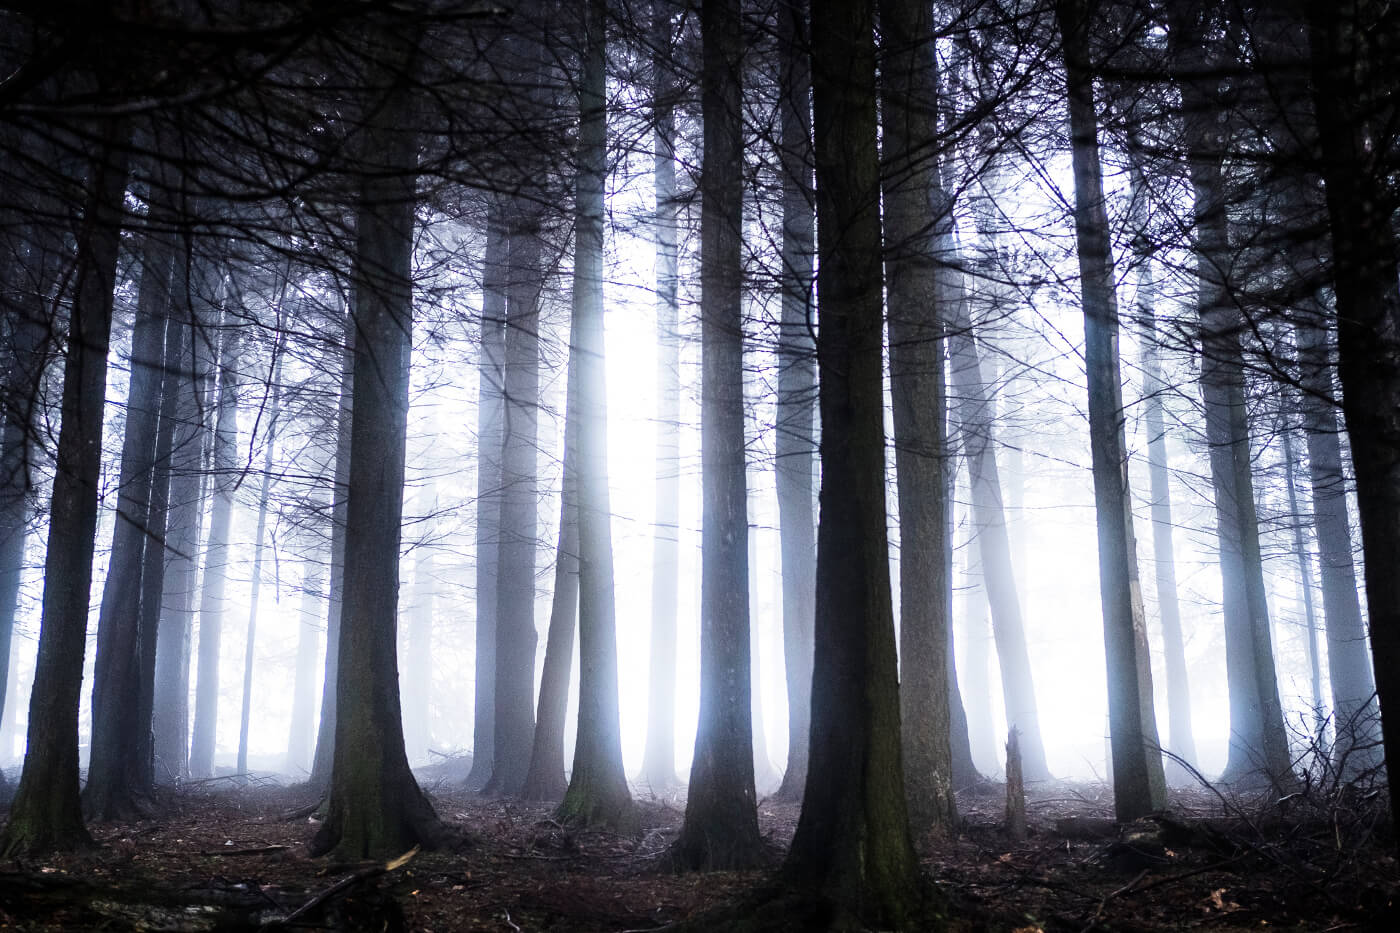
(599, 399)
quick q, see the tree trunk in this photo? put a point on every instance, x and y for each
(795, 443)
(418, 668)
(1355, 718)
(852, 846)
(1182, 740)
(46, 813)
(1305, 589)
(1258, 740)
(721, 817)
(300, 740)
(216, 558)
(264, 495)
(1346, 39)
(375, 807)
(115, 788)
(340, 492)
(23, 363)
(489, 433)
(909, 172)
(764, 774)
(546, 780)
(597, 793)
(516, 636)
(171, 713)
(1139, 785)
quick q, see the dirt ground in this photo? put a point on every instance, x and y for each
(224, 855)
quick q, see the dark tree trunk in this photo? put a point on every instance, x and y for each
(852, 843)
(721, 815)
(909, 96)
(340, 499)
(545, 780)
(597, 793)
(117, 786)
(23, 362)
(659, 760)
(490, 415)
(1355, 719)
(1139, 785)
(1258, 740)
(216, 558)
(795, 444)
(185, 377)
(46, 813)
(1348, 42)
(375, 806)
(516, 636)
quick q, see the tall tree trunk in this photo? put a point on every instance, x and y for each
(340, 493)
(216, 558)
(1351, 78)
(852, 847)
(1182, 739)
(171, 713)
(1258, 740)
(1139, 785)
(659, 760)
(764, 774)
(375, 806)
(301, 738)
(795, 443)
(597, 793)
(516, 636)
(418, 667)
(546, 780)
(489, 432)
(46, 813)
(1305, 588)
(909, 173)
(721, 816)
(974, 415)
(1356, 746)
(23, 363)
(264, 495)
(115, 788)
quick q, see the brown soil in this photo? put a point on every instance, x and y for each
(223, 856)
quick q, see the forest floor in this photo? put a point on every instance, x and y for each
(224, 855)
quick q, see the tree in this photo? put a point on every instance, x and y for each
(1353, 71)
(489, 414)
(852, 846)
(597, 794)
(795, 443)
(1258, 741)
(659, 762)
(721, 816)
(1139, 786)
(375, 806)
(46, 813)
(216, 555)
(917, 297)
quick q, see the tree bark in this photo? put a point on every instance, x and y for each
(46, 813)
(659, 759)
(418, 674)
(489, 433)
(852, 847)
(1139, 785)
(721, 816)
(597, 794)
(795, 445)
(1356, 721)
(375, 807)
(1258, 740)
(216, 557)
(916, 303)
